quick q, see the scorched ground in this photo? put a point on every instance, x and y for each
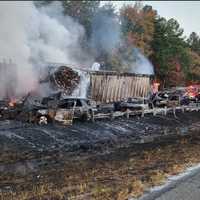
(103, 160)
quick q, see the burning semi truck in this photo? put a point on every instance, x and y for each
(99, 86)
(87, 94)
(86, 89)
(74, 89)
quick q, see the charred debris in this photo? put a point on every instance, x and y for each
(109, 95)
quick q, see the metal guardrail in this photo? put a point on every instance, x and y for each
(143, 112)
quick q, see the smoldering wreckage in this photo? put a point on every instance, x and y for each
(41, 153)
(94, 94)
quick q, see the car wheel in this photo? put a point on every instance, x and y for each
(43, 120)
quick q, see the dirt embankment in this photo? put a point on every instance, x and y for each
(102, 160)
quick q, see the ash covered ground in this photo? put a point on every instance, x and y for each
(86, 136)
(32, 154)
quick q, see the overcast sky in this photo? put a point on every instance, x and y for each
(187, 13)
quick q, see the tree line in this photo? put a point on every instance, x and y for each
(175, 57)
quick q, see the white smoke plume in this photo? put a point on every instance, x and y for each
(31, 36)
(107, 37)
(106, 33)
(56, 38)
(141, 65)
(14, 21)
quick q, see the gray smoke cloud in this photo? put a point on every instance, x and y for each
(14, 20)
(31, 37)
(106, 39)
(57, 38)
(106, 33)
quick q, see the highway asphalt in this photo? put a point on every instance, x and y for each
(186, 187)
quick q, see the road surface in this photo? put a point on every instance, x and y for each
(185, 188)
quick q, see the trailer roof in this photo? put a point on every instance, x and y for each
(102, 72)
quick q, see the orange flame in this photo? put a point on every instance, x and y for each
(155, 86)
(12, 102)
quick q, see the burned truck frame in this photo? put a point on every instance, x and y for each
(104, 86)
(109, 87)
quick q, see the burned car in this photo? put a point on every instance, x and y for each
(12, 108)
(82, 108)
(132, 104)
(192, 94)
(167, 99)
(66, 109)
(174, 99)
(159, 99)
